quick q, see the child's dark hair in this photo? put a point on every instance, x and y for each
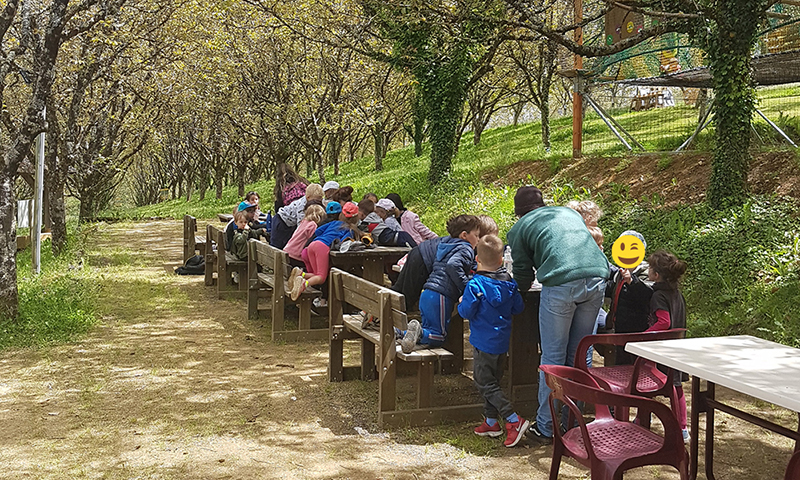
(490, 250)
(462, 223)
(250, 194)
(343, 195)
(366, 206)
(667, 266)
(395, 198)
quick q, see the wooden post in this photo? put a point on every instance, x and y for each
(577, 98)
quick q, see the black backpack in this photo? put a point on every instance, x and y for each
(195, 265)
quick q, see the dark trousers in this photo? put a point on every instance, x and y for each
(281, 233)
(487, 371)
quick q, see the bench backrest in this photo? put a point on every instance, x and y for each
(216, 235)
(374, 299)
(269, 257)
(189, 230)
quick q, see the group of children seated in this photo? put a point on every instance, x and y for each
(464, 270)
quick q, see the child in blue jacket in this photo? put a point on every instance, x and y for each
(455, 256)
(489, 301)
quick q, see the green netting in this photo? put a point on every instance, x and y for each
(672, 52)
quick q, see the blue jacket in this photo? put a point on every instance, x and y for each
(451, 269)
(490, 300)
(331, 231)
(428, 251)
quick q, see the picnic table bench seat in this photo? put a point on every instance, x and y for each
(389, 307)
(272, 281)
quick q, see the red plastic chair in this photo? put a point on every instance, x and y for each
(606, 445)
(650, 381)
(793, 470)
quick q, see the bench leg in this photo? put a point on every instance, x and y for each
(454, 343)
(387, 387)
(336, 360)
(278, 306)
(424, 383)
(305, 314)
(367, 360)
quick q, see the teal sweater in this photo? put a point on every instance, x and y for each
(556, 242)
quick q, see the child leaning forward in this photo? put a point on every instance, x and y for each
(490, 300)
(455, 256)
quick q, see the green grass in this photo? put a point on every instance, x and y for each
(56, 306)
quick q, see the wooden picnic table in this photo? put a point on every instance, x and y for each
(372, 259)
(759, 368)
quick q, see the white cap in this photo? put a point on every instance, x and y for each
(385, 204)
(330, 186)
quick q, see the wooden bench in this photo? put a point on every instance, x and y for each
(272, 281)
(389, 307)
(226, 265)
(191, 242)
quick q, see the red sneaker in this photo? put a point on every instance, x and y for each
(484, 430)
(515, 432)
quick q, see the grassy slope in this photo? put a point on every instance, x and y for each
(743, 262)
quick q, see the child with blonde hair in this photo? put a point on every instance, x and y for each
(305, 230)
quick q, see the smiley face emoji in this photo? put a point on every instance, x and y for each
(627, 251)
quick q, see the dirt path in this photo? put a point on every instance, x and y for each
(175, 384)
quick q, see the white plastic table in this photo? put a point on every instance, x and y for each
(759, 368)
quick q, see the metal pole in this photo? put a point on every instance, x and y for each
(700, 127)
(577, 98)
(596, 109)
(777, 129)
(36, 228)
(616, 123)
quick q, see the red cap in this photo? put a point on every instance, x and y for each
(350, 209)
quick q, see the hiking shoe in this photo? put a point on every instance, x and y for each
(299, 288)
(411, 337)
(484, 430)
(533, 433)
(686, 437)
(297, 273)
(515, 431)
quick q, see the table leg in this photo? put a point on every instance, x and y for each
(709, 446)
(695, 423)
(373, 270)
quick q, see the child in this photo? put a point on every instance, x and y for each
(630, 292)
(454, 258)
(488, 226)
(667, 311)
(343, 195)
(410, 222)
(305, 230)
(316, 255)
(255, 199)
(329, 189)
(248, 210)
(371, 196)
(489, 301)
(289, 186)
(240, 236)
(292, 214)
(389, 232)
(589, 210)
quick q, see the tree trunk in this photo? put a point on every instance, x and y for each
(517, 108)
(320, 161)
(240, 173)
(219, 181)
(85, 212)
(729, 61)
(58, 214)
(377, 136)
(418, 110)
(8, 248)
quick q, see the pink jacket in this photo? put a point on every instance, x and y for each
(305, 229)
(413, 226)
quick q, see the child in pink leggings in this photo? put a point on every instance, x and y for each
(317, 255)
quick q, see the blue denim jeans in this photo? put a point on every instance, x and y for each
(567, 313)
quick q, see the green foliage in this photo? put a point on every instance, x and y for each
(664, 162)
(55, 306)
(744, 262)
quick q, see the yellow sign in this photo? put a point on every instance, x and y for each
(627, 251)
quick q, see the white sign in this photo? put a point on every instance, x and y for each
(24, 213)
